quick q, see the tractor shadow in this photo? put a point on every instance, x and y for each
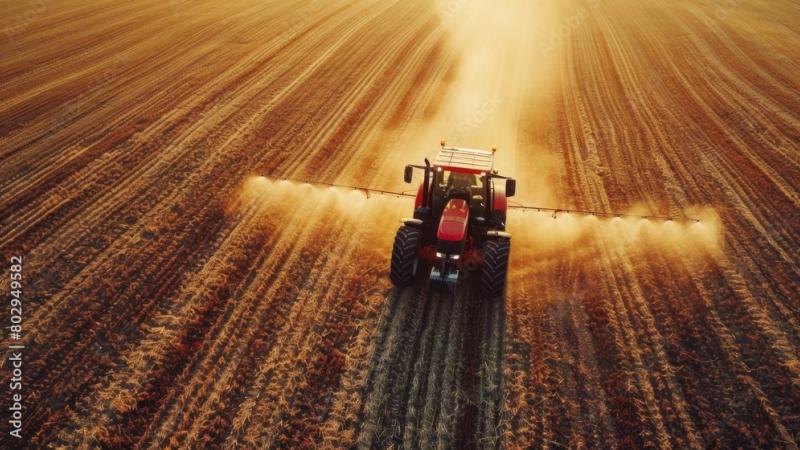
(436, 372)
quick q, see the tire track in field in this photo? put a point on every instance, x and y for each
(435, 381)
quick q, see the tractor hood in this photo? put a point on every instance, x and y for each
(453, 226)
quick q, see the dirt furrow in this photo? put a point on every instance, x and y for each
(177, 299)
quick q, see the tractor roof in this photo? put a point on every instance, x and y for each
(467, 160)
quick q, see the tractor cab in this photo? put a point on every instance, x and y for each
(448, 185)
(460, 205)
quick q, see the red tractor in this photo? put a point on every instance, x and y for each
(459, 222)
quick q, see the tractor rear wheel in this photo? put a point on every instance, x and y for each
(404, 256)
(495, 266)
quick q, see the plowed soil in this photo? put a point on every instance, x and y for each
(177, 294)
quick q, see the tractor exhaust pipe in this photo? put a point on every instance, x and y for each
(425, 181)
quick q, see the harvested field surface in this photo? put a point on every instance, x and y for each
(176, 294)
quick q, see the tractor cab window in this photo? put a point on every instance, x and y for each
(462, 180)
(446, 180)
(448, 185)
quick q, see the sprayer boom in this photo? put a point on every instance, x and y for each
(554, 211)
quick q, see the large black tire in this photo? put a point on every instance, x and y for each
(495, 266)
(404, 256)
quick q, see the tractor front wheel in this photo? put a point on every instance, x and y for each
(495, 266)
(404, 256)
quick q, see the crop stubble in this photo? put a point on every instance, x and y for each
(174, 299)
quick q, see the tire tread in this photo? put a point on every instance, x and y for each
(495, 266)
(404, 255)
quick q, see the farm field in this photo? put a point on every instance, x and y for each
(179, 294)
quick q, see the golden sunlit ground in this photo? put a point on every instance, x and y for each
(177, 294)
